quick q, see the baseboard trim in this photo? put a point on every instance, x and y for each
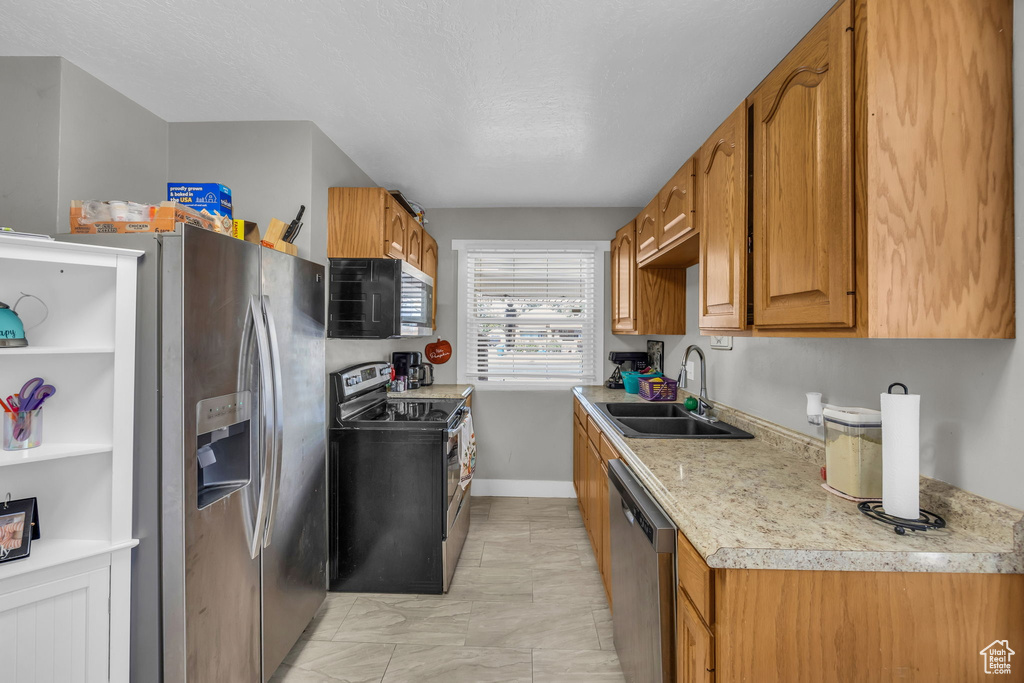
(523, 488)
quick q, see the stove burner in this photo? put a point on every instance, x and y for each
(927, 520)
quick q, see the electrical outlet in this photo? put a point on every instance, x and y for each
(690, 369)
(721, 341)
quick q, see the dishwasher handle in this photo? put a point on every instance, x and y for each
(628, 514)
(641, 510)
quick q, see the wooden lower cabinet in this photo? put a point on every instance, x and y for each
(781, 626)
(579, 445)
(591, 451)
(593, 496)
(695, 645)
(604, 555)
(841, 627)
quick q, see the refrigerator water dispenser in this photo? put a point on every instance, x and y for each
(224, 444)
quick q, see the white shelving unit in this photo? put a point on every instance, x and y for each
(64, 610)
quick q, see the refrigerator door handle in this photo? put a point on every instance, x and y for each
(266, 391)
(278, 441)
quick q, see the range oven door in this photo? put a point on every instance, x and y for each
(457, 516)
(417, 303)
(455, 492)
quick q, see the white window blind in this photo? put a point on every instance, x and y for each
(531, 313)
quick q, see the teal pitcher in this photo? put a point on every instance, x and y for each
(12, 330)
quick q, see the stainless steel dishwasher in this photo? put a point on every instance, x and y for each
(643, 547)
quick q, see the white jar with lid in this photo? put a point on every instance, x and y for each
(853, 451)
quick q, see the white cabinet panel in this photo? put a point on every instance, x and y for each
(57, 632)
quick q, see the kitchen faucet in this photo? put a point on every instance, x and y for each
(703, 406)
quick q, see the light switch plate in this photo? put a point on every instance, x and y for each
(690, 370)
(720, 341)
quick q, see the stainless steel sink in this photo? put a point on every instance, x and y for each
(665, 421)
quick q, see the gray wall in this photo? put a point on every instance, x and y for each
(971, 391)
(265, 163)
(110, 147)
(29, 121)
(272, 167)
(66, 135)
(520, 434)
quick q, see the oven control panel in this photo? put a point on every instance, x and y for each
(361, 376)
(360, 379)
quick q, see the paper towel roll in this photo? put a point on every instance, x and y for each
(901, 455)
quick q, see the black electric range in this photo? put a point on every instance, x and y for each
(397, 515)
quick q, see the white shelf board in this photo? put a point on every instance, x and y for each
(53, 245)
(51, 451)
(46, 553)
(54, 350)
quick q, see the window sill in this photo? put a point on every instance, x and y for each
(540, 386)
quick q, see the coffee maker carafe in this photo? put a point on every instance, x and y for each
(633, 360)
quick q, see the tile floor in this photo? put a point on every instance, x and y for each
(526, 604)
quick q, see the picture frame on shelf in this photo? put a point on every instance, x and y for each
(19, 526)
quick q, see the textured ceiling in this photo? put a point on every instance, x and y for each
(457, 102)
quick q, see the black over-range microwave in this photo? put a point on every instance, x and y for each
(378, 298)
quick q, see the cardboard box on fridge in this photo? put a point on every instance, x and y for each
(167, 215)
(213, 198)
(245, 230)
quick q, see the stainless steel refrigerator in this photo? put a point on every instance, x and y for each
(230, 456)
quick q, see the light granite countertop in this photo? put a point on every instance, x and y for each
(436, 391)
(758, 504)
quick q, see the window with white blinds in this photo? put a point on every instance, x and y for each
(530, 312)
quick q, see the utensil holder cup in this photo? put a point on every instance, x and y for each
(23, 430)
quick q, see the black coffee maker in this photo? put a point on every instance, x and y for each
(633, 360)
(407, 364)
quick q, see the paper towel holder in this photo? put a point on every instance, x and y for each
(926, 522)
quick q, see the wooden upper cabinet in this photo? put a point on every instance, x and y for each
(644, 301)
(803, 182)
(623, 257)
(722, 208)
(935, 167)
(395, 228)
(675, 206)
(428, 264)
(876, 212)
(367, 222)
(356, 219)
(413, 242)
(647, 231)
